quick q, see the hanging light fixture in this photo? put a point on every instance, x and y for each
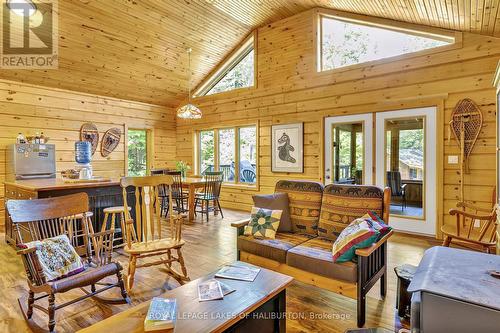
(189, 111)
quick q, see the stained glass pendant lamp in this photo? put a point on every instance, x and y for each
(189, 111)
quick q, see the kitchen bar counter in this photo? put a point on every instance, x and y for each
(101, 195)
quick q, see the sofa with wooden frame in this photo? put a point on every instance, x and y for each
(318, 214)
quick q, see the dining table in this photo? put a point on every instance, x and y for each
(192, 184)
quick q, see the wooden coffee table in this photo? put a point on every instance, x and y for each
(257, 306)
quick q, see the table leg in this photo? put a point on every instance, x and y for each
(191, 202)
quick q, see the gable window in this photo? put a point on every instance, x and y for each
(232, 150)
(344, 43)
(238, 71)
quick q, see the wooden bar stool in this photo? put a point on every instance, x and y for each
(114, 211)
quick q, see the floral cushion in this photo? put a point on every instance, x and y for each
(305, 204)
(263, 223)
(357, 235)
(57, 257)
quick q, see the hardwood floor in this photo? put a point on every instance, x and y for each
(208, 246)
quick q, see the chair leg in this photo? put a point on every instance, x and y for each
(361, 314)
(383, 284)
(52, 312)
(220, 209)
(31, 301)
(207, 204)
(447, 241)
(180, 258)
(123, 291)
(131, 272)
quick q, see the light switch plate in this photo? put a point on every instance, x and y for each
(452, 159)
(477, 223)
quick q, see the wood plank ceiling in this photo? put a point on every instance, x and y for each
(135, 49)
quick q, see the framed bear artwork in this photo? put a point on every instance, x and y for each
(287, 148)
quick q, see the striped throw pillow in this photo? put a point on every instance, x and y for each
(357, 235)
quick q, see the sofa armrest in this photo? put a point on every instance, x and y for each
(369, 250)
(241, 223)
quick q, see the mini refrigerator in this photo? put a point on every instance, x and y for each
(29, 161)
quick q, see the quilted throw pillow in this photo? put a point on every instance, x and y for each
(377, 223)
(357, 235)
(57, 257)
(263, 223)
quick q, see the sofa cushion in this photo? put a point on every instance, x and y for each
(274, 249)
(305, 204)
(315, 256)
(342, 204)
(263, 223)
(359, 234)
(276, 201)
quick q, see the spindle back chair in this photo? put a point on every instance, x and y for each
(472, 230)
(146, 236)
(38, 220)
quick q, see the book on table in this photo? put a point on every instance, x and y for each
(242, 273)
(161, 315)
(209, 290)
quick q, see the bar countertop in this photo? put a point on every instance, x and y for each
(50, 184)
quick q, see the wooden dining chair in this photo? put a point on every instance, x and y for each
(146, 236)
(208, 199)
(178, 195)
(38, 220)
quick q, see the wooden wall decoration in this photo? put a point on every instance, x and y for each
(466, 123)
(110, 141)
(89, 132)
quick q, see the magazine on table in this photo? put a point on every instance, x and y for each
(226, 289)
(209, 290)
(161, 315)
(242, 273)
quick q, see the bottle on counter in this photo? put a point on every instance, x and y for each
(37, 138)
(20, 138)
(41, 139)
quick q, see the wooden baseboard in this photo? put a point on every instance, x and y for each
(344, 288)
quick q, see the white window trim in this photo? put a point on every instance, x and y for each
(228, 64)
(452, 37)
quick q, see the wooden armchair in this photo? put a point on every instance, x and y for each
(36, 220)
(472, 230)
(145, 239)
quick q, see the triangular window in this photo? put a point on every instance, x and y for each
(238, 71)
(344, 43)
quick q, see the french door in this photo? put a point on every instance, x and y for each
(349, 149)
(404, 142)
(405, 153)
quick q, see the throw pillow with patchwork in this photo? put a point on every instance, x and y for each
(57, 257)
(263, 223)
(377, 223)
(357, 235)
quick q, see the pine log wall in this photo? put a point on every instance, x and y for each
(60, 114)
(289, 89)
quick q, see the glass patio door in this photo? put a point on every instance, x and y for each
(406, 162)
(348, 149)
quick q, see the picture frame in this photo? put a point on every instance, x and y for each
(287, 148)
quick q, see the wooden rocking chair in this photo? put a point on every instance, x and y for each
(472, 230)
(145, 239)
(36, 220)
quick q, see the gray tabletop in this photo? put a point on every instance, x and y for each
(459, 274)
